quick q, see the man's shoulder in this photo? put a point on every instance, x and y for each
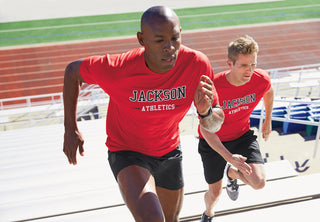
(220, 75)
(128, 57)
(261, 72)
(133, 53)
(187, 51)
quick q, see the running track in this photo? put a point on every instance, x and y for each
(38, 70)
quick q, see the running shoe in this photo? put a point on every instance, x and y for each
(205, 218)
(232, 186)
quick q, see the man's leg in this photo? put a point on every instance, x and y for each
(138, 190)
(213, 167)
(256, 179)
(171, 203)
(211, 197)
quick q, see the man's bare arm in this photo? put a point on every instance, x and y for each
(268, 98)
(72, 137)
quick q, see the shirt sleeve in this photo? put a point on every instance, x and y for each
(266, 78)
(91, 67)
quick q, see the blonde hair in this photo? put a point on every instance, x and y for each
(243, 45)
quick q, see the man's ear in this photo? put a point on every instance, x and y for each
(229, 63)
(140, 38)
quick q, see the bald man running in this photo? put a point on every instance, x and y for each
(151, 89)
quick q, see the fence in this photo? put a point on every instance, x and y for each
(48, 109)
(307, 118)
(298, 81)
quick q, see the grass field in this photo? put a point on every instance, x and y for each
(102, 26)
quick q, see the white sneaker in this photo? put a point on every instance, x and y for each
(232, 186)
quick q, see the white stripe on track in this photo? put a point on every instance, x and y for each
(137, 20)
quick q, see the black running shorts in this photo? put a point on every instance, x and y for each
(214, 164)
(166, 170)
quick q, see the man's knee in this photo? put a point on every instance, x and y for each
(172, 215)
(258, 179)
(259, 183)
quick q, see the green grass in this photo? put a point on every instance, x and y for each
(102, 26)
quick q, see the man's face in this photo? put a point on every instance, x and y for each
(242, 70)
(161, 39)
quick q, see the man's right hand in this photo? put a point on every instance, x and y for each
(71, 87)
(73, 140)
(238, 161)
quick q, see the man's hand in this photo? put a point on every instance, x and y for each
(238, 162)
(266, 130)
(203, 100)
(71, 87)
(73, 140)
(203, 97)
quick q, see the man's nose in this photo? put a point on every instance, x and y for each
(168, 46)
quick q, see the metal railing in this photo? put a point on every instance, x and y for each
(47, 109)
(297, 81)
(288, 119)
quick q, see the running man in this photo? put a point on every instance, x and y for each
(151, 89)
(240, 89)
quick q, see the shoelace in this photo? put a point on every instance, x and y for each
(233, 184)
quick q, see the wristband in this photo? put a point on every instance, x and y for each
(209, 113)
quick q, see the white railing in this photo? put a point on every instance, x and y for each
(289, 103)
(34, 110)
(30, 101)
(87, 93)
(297, 81)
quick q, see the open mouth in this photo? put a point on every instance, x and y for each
(169, 60)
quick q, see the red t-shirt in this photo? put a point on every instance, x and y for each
(238, 102)
(145, 107)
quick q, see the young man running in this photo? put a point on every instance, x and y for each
(240, 90)
(151, 89)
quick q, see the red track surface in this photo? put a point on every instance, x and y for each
(40, 69)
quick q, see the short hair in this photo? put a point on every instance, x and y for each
(244, 45)
(157, 12)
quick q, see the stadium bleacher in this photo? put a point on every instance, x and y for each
(37, 176)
